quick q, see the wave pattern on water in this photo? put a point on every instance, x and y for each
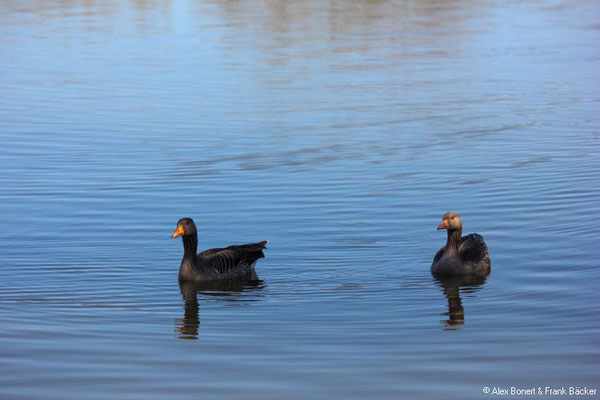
(341, 134)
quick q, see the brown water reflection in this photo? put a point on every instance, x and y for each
(282, 25)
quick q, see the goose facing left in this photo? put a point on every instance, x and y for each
(230, 262)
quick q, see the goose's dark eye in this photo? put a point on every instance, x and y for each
(452, 217)
(187, 223)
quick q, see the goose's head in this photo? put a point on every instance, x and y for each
(185, 226)
(451, 221)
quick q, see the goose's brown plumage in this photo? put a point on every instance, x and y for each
(214, 264)
(466, 255)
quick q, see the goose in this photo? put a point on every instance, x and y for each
(466, 255)
(231, 262)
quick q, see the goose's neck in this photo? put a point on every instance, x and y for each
(190, 245)
(453, 241)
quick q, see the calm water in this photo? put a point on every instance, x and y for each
(341, 132)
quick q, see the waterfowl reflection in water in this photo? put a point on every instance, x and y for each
(452, 288)
(221, 291)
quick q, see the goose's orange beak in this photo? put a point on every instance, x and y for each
(443, 225)
(178, 232)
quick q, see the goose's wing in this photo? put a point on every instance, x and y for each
(473, 249)
(238, 258)
(250, 247)
(220, 260)
(210, 252)
(438, 256)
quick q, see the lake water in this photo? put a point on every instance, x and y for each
(339, 131)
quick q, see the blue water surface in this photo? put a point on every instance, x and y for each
(339, 131)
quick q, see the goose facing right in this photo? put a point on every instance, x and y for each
(461, 256)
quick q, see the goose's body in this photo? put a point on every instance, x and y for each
(461, 256)
(230, 262)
